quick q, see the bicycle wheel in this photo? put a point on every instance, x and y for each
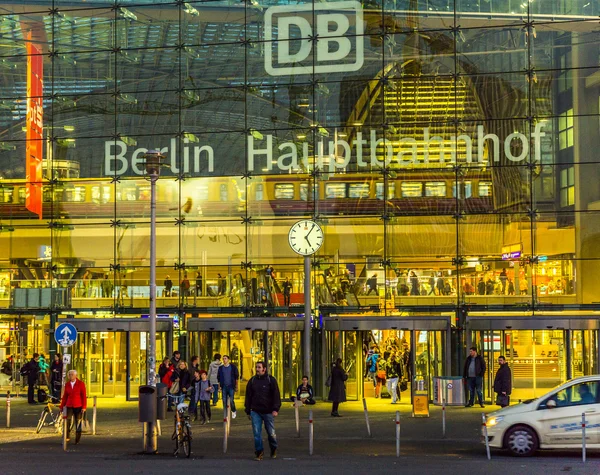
(176, 436)
(42, 420)
(58, 424)
(187, 441)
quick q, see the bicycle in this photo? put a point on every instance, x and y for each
(183, 431)
(55, 417)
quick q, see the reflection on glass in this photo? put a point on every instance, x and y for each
(358, 190)
(285, 191)
(335, 190)
(435, 188)
(379, 190)
(411, 189)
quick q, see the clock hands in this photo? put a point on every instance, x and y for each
(306, 237)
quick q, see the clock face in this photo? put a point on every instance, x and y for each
(305, 237)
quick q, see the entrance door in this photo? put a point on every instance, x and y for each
(345, 345)
(284, 360)
(584, 352)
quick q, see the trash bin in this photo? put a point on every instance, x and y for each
(161, 401)
(448, 388)
(147, 404)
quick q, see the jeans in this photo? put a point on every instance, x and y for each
(215, 394)
(392, 383)
(175, 400)
(74, 417)
(373, 376)
(257, 422)
(205, 413)
(228, 394)
(475, 384)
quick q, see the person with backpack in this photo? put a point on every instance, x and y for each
(371, 364)
(393, 373)
(213, 377)
(42, 375)
(31, 370)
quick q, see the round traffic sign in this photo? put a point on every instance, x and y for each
(65, 334)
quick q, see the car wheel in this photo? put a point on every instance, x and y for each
(522, 441)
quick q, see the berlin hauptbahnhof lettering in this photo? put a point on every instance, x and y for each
(290, 155)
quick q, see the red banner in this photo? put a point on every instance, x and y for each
(35, 125)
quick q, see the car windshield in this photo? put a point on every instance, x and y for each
(575, 395)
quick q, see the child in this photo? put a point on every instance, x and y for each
(202, 395)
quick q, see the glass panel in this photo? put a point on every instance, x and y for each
(335, 190)
(411, 189)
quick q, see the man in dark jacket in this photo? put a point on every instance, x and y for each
(503, 383)
(473, 373)
(263, 402)
(228, 376)
(31, 370)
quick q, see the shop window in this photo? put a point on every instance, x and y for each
(335, 190)
(358, 190)
(462, 190)
(567, 186)
(285, 191)
(258, 192)
(223, 193)
(6, 194)
(100, 194)
(202, 192)
(411, 189)
(75, 194)
(435, 188)
(127, 193)
(391, 192)
(565, 130)
(485, 189)
(564, 76)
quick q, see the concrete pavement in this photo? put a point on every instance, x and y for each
(341, 445)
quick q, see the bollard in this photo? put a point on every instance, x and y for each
(367, 417)
(444, 418)
(583, 437)
(94, 416)
(297, 414)
(158, 428)
(228, 420)
(8, 409)
(311, 433)
(65, 428)
(225, 434)
(485, 435)
(397, 433)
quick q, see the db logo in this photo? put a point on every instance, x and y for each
(333, 29)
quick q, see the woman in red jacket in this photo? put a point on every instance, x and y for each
(75, 400)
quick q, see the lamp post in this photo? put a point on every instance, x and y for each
(153, 162)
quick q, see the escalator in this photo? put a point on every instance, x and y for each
(238, 291)
(272, 288)
(323, 294)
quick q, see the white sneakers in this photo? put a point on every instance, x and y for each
(233, 415)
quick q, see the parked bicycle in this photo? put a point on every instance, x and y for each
(50, 416)
(183, 431)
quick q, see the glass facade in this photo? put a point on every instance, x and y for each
(447, 149)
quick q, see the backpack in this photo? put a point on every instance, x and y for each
(25, 370)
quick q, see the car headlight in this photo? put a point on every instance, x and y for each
(492, 421)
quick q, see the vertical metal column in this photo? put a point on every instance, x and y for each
(568, 355)
(307, 317)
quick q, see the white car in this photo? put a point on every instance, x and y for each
(552, 421)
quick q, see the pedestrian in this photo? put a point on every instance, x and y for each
(503, 383)
(213, 377)
(503, 279)
(337, 391)
(304, 393)
(198, 284)
(181, 383)
(165, 372)
(481, 287)
(194, 365)
(31, 370)
(75, 400)
(201, 396)
(163, 368)
(473, 373)
(287, 292)
(371, 364)
(56, 370)
(263, 402)
(168, 283)
(43, 371)
(175, 358)
(262, 295)
(184, 288)
(393, 372)
(228, 377)
(372, 284)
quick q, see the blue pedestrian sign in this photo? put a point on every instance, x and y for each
(65, 334)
